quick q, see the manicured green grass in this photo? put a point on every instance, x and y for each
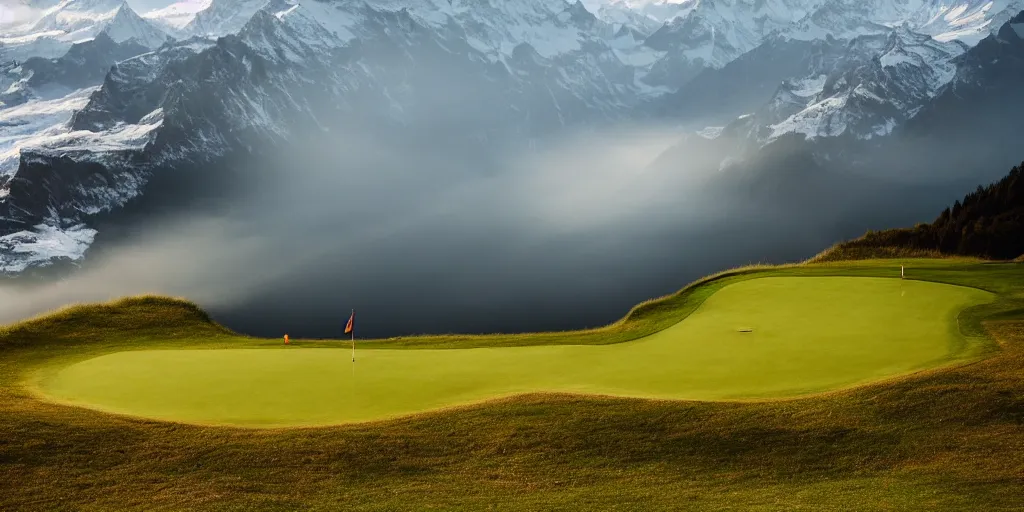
(808, 335)
(946, 439)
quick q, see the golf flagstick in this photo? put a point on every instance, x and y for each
(352, 330)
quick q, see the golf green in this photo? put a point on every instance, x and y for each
(805, 335)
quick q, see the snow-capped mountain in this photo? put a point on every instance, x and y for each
(39, 96)
(711, 33)
(492, 27)
(127, 25)
(624, 16)
(658, 11)
(222, 17)
(309, 66)
(972, 122)
(175, 17)
(81, 170)
(707, 34)
(965, 20)
(718, 31)
(717, 96)
(979, 114)
(899, 54)
(73, 21)
(84, 65)
(496, 28)
(881, 82)
(476, 73)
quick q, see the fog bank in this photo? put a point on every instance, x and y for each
(432, 240)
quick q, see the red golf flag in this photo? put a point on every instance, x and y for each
(351, 319)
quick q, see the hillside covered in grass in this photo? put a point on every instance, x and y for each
(988, 223)
(945, 439)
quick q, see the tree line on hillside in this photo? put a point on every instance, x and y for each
(987, 223)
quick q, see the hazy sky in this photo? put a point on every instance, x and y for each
(421, 240)
(425, 241)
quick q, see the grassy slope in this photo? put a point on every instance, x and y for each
(861, 330)
(946, 439)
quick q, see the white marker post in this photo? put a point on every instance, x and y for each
(902, 273)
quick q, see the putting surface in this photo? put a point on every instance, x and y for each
(807, 335)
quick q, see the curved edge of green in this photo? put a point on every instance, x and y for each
(34, 364)
(963, 351)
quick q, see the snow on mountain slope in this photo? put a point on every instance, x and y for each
(702, 34)
(965, 20)
(175, 17)
(35, 122)
(659, 11)
(718, 31)
(127, 25)
(43, 246)
(187, 102)
(879, 82)
(496, 27)
(573, 83)
(299, 33)
(40, 96)
(978, 115)
(493, 27)
(45, 129)
(872, 97)
(38, 123)
(15, 14)
(717, 96)
(622, 15)
(476, 70)
(42, 4)
(84, 65)
(73, 21)
(222, 17)
(71, 16)
(882, 83)
(303, 66)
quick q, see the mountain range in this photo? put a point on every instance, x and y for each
(60, 26)
(97, 101)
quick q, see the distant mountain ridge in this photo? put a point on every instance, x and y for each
(84, 65)
(480, 72)
(223, 17)
(73, 21)
(861, 108)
